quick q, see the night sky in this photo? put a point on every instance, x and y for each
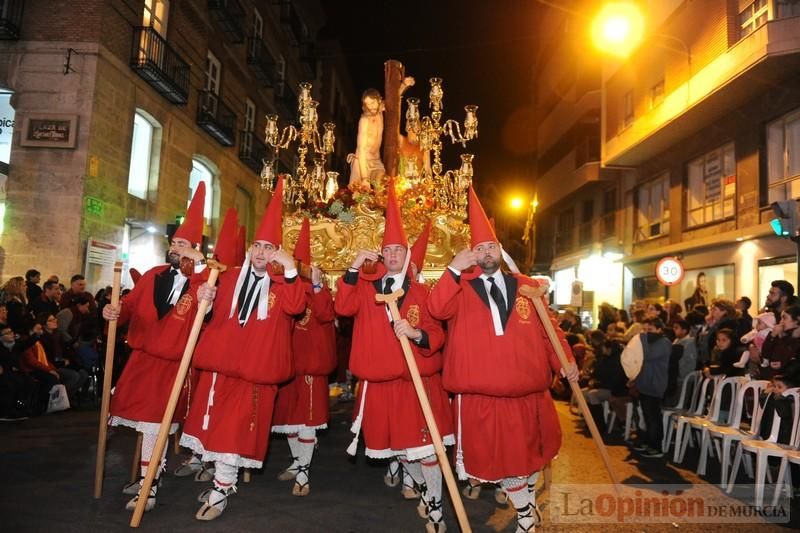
(483, 50)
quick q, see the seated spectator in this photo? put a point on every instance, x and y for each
(72, 375)
(782, 345)
(33, 362)
(17, 390)
(607, 377)
(73, 332)
(724, 356)
(16, 303)
(47, 301)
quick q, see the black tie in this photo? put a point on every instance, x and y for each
(497, 296)
(244, 303)
(387, 289)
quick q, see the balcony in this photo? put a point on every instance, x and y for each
(261, 61)
(565, 241)
(159, 65)
(290, 22)
(308, 55)
(230, 17)
(287, 102)
(762, 59)
(216, 118)
(252, 151)
(585, 234)
(607, 225)
(564, 179)
(10, 19)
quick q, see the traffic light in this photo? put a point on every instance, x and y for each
(786, 223)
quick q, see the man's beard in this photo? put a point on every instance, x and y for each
(174, 259)
(488, 264)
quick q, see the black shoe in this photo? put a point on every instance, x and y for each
(640, 447)
(652, 453)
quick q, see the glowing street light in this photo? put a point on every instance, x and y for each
(618, 28)
(516, 203)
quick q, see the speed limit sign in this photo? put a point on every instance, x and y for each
(670, 271)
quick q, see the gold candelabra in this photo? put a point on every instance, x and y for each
(315, 184)
(449, 187)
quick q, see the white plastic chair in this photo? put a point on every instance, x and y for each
(687, 402)
(700, 423)
(722, 437)
(700, 409)
(629, 425)
(763, 449)
(784, 480)
(716, 419)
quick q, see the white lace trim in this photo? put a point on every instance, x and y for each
(194, 444)
(142, 427)
(286, 429)
(411, 454)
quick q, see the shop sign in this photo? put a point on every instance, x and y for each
(670, 271)
(101, 253)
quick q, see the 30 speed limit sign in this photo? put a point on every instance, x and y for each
(670, 271)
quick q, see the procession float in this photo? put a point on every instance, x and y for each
(347, 219)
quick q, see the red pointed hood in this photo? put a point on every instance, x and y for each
(271, 228)
(241, 245)
(480, 228)
(393, 232)
(226, 242)
(420, 247)
(192, 227)
(302, 250)
(135, 275)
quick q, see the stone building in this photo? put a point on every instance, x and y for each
(132, 103)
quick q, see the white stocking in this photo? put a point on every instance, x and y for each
(293, 449)
(517, 490)
(532, 479)
(148, 445)
(225, 477)
(433, 483)
(306, 440)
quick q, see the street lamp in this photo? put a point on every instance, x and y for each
(516, 203)
(618, 28)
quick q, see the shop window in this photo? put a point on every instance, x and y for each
(713, 282)
(783, 158)
(770, 270)
(711, 190)
(145, 142)
(652, 209)
(202, 172)
(753, 17)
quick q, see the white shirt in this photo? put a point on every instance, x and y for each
(396, 284)
(177, 286)
(500, 282)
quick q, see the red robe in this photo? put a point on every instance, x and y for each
(143, 389)
(387, 407)
(505, 417)
(304, 400)
(242, 366)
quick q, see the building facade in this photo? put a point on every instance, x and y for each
(152, 97)
(701, 127)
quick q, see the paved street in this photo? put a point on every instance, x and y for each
(47, 466)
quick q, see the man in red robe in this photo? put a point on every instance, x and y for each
(160, 310)
(387, 408)
(302, 405)
(499, 363)
(244, 353)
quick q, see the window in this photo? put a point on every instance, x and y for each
(652, 216)
(155, 15)
(711, 191)
(753, 17)
(258, 32)
(585, 230)
(609, 213)
(201, 172)
(143, 170)
(627, 109)
(213, 70)
(783, 158)
(249, 125)
(787, 8)
(280, 69)
(657, 94)
(564, 230)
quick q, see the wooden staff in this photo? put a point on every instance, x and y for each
(108, 371)
(535, 295)
(166, 421)
(441, 454)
